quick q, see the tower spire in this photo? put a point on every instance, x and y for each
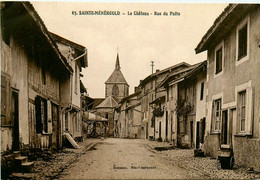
(117, 62)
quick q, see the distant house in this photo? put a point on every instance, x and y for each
(128, 117)
(30, 83)
(149, 93)
(76, 56)
(233, 84)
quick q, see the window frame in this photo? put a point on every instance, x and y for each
(241, 25)
(202, 87)
(242, 104)
(214, 117)
(218, 47)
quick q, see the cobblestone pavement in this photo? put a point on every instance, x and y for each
(132, 159)
(49, 169)
(124, 159)
(206, 166)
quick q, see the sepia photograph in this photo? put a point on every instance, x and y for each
(130, 90)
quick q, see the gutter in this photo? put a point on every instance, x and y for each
(85, 52)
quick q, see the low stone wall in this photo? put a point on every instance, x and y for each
(211, 145)
(246, 152)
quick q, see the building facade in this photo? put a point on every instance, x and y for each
(30, 84)
(150, 92)
(128, 117)
(76, 56)
(233, 84)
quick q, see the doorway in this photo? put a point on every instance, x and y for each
(146, 130)
(160, 131)
(15, 119)
(224, 134)
(198, 135)
(191, 133)
(166, 131)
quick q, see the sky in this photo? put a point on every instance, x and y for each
(166, 40)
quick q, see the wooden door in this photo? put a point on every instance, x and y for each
(55, 127)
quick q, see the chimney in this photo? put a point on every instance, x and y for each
(141, 81)
(157, 70)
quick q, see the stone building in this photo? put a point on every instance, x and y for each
(76, 56)
(185, 105)
(128, 117)
(116, 84)
(149, 93)
(116, 89)
(233, 85)
(30, 82)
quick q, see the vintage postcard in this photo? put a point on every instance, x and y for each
(130, 90)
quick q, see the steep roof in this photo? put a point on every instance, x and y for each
(185, 73)
(117, 76)
(227, 20)
(97, 101)
(35, 24)
(109, 102)
(79, 48)
(169, 69)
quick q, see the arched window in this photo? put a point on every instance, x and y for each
(115, 90)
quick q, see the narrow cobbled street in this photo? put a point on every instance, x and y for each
(123, 158)
(138, 159)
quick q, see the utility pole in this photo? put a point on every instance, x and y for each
(152, 65)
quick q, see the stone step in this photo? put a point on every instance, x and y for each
(17, 153)
(9, 157)
(23, 176)
(21, 159)
(27, 167)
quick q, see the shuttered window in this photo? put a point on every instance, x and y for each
(41, 114)
(5, 102)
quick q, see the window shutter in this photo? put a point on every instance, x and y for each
(212, 117)
(39, 124)
(5, 101)
(249, 112)
(49, 116)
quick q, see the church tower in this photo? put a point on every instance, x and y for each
(116, 84)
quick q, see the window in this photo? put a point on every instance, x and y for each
(242, 42)
(218, 60)
(201, 91)
(41, 115)
(5, 101)
(152, 121)
(115, 90)
(242, 110)
(217, 114)
(4, 27)
(106, 115)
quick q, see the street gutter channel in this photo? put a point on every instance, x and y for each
(186, 166)
(88, 148)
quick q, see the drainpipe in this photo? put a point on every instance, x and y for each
(85, 52)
